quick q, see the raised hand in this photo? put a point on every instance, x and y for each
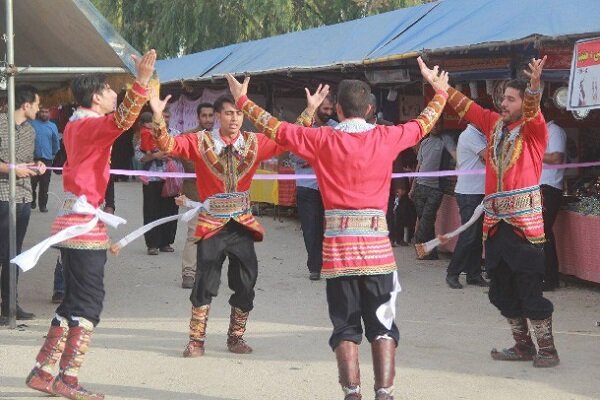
(236, 88)
(157, 104)
(314, 100)
(436, 78)
(144, 66)
(535, 72)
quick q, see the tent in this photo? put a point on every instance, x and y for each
(55, 39)
(443, 26)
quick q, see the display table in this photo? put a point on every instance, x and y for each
(576, 239)
(287, 188)
(265, 191)
(276, 192)
(577, 245)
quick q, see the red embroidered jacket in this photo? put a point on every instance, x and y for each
(514, 162)
(86, 172)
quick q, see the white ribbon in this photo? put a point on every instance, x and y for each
(186, 217)
(29, 258)
(386, 313)
(432, 244)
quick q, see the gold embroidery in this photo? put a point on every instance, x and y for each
(504, 158)
(430, 115)
(531, 105)
(459, 102)
(264, 121)
(163, 140)
(130, 107)
(227, 166)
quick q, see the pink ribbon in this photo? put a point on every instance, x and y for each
(283, 177)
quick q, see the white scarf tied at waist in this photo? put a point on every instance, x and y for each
(195, 206)
(29, 258)
(424, 248)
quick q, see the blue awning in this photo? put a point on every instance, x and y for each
(461, 24)
(446, 25)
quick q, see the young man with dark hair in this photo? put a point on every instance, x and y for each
(513, 227)
(206, 116)
(88, 138)
(225, 162)
(353, 164)
(26, 106)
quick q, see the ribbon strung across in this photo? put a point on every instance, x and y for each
(133, 172)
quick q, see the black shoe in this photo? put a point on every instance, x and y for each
(453, 282)
(33, 205)
(43, 209)
(21, 314)
(314, 276)
(3, 321)
(478, 282)
(187, 282)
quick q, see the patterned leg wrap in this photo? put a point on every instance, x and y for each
(547, 355)
(237, 328)
(346, 354)
(383, 350)
(195, 347)
(66, 383)
(41, 376)
(523, 350)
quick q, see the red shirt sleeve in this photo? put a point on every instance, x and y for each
(267, 148)
(185, 146)
(483, 119)
(304, 142)
(146, 142)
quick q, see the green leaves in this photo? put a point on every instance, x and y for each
(178, 27)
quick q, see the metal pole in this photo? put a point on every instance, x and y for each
(12, 205)
(71, 70)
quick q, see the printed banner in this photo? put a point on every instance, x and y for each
(584, 82)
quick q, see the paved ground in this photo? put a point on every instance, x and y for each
(443, 353)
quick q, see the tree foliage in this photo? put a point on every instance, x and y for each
(175, 27)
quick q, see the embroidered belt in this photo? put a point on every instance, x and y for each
(67, 204)
(366, 222)
(514, 203)
(229, 205)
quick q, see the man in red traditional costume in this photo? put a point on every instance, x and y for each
(225, 161)
(513, 227)
(88, 138)
(353, 164)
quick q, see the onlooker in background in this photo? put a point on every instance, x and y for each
(26, 106)
(470, 154)
(156, 205)
(405, 215)
(425, 191)
(47, 144)
(551, 185)
(206, 121)
(309, 202)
